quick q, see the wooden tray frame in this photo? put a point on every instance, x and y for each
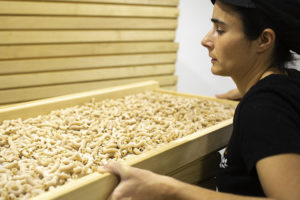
(168, 159)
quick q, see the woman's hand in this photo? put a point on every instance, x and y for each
(136, 184)
(139, 184)
(233, 94)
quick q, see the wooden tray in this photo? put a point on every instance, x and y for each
(170, 159)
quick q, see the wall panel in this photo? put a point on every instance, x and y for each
(87, 62)
(85, 49)
(55, 47)
(84, 9)
(63, 22)
(61, 77)
(25, 94)
(34, 37)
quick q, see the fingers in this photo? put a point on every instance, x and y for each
(115, 168)
(230, 95)
(114, 197)
(221, 96)
(120, 171)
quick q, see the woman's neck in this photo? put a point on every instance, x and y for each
(245, 82)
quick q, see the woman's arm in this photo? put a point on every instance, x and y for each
(137, 184)
(280, 176)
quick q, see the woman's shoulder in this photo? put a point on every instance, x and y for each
(276, 86)
(293, 74)
(279, 92)
(277, 81)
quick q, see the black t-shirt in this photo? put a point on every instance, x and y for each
(266, 123)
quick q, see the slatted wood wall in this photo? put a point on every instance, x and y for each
(55, 47)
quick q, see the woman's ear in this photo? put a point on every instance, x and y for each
(266, 40)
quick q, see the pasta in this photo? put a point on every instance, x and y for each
(41, 153)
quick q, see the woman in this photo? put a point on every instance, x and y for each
(250, 41)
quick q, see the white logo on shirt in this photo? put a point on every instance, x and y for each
(223, 163)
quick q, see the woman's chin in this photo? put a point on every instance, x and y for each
(217, 71)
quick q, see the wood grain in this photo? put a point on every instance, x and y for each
(83, 23)
(89, 62)
(138, 2)
(38, 92)
(83, 9)
(35, 37)
(77, 76)
(85, 49)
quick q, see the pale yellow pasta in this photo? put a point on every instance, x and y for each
(37, 191)
(3, 139)
(106, 136)
(3, 179)
(63, 176)
(12, 196)
(24, 153)
(77, 170)
(50, 181)
(11, 165)
(111, 145)
(137, 151)
(66, 167)
(76, 157)
(14, 187)
(41, 153)
(139, 144)
(109, 150)
(124, 153)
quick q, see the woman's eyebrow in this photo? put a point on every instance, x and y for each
(217, 21)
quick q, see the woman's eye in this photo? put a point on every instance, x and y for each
(219, 31)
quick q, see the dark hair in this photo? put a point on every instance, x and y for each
(254, 22)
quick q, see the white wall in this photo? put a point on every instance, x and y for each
(193, 63)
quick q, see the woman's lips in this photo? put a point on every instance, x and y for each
(213, 60)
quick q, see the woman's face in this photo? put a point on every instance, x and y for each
(231, 52)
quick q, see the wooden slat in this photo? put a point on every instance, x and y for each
(33, 93)
(50, 78)
(54, 22)
(234, 103)
(136, 2)
(39, 65)
(35, 108)
(59, 50)
(170, 87)
(31, 37)
(217, 137)
(198, 170)
(81, 9)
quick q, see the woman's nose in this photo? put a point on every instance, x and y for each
(207, 42)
